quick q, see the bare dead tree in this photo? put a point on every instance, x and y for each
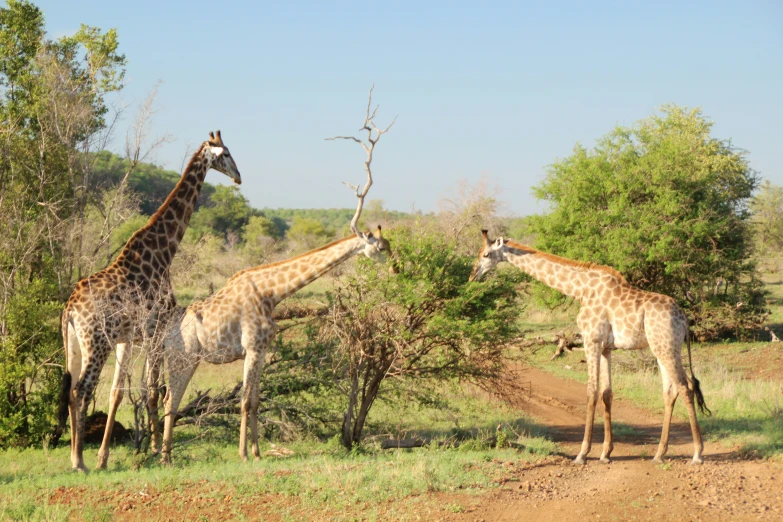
(351, 429)
(373, 136)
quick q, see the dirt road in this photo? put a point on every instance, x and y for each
(632, 487)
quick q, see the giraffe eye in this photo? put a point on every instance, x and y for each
(486, 255)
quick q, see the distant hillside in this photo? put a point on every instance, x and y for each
(151, 182)
(154, 183)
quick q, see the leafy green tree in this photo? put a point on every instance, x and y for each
(426, 323)
(308, 233)
(665, 203)
(227, 210)
(52, 106)
(767, 208)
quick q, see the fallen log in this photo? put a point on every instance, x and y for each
(419, 442)
(566, 343)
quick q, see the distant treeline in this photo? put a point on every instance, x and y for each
(222, 209)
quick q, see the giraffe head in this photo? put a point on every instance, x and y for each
(217, 155)
(376, 246)
(491, 253)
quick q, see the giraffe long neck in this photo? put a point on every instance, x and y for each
(157, 241)
(283, 278)
(573, 278)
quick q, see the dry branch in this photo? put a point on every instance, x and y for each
(370, 127)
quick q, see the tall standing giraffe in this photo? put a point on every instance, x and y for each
(614, 314)
(97, 318)
(236, 322)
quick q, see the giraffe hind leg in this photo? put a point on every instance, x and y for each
(592, 354)
(676, 373)
(670, 394)
(606, 397)
(115, 398)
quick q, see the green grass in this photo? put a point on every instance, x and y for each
(320, 475)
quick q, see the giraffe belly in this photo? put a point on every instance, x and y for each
(624, 341)
(225, 349)
(228, 352)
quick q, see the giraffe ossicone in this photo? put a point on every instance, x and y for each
(613, 315)
(129, 301)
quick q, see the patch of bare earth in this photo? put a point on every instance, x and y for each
(726, 487)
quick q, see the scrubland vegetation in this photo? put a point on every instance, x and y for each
(422, 353)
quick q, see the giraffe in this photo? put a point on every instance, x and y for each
(613, 315)
(236, 323)
(96, 316)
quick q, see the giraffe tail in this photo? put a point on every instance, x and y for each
(696, 386)
(65, 390)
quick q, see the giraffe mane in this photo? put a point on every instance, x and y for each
(586, 265)
(289, 260)
(165, 205)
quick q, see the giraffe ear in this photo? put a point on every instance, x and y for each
(499, 242)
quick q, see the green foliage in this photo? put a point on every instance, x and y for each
(226, 211)
(665, 204)
(767, 209)
(309, 232)
(335, 219)
(153, 184)
(29, 381)
(52, 102)
(427, 322)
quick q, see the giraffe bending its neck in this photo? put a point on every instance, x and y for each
(614, 314)
(125, 301)
(237, 323)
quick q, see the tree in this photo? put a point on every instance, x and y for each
(767, 209)
(308, 233)
(426, 322)
(665, 203)
(227, 211)
(52, 112)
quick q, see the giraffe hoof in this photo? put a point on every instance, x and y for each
(606, 460)
(697, 461)
(657, 460)
(579, 461)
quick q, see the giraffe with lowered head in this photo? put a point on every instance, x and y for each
(613, 315)
(236, 322)
(103, 310)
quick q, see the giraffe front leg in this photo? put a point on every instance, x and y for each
(250, 376)
(606, 397)
(254, 421)
(592, 355)
(180, 372)
(115, 398)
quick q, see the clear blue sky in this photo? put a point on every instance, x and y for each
(491, 88)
